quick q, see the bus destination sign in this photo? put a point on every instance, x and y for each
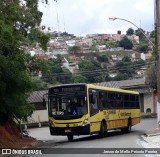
(68, 89)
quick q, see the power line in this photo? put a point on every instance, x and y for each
(109, 70)
(124, 68)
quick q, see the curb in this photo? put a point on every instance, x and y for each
(145, 139)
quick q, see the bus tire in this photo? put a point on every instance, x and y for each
(70, 138)
(129, 127)
(102, 130)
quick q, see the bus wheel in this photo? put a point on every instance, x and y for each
(102, 130)
(70, 138)
(129, 126)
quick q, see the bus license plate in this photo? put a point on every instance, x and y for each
(67, 130)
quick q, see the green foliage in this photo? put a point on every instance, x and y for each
(54, 73)
(152, 34)
(125, 66)
(35, 65)
(126, 59)
(139, 62)
(111, 44)
(78, 78)
(130, 31)
(92, 70)
(94, 45)
(39, 84)
(126, 43)
(118, 32)
(18, 20)
(121, 76)
(139, 33)
(37, 36)
(151, 76)
(73, 49)
(65, 34)
(15, 84)
(65, 77)
(143, 47)
(102, 57)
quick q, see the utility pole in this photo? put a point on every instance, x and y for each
(157, 20)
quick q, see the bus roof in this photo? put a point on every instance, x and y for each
(99, 87)
(111, 89)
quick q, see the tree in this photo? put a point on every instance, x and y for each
(91, 70)
(139, 33)
(18, 20)
(111, 44)
(121, 76)
(125, 66)
(39, 84)
(130, 31)
(151, 76)
(143, 47)
(53, 67)
(78, 78)
(126, 43)
(94, 45)
(152, 34)
(35, 65)
(118, 32)
(102, 57)
(65, 77)
(139, 63)
(74, 49)
(54, 73)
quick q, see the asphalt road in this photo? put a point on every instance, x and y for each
(114, 139)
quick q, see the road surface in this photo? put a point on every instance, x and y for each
(114, 139)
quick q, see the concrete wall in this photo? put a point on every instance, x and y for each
(148, 101)
(39, 116)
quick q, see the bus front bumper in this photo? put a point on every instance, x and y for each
(80, 130)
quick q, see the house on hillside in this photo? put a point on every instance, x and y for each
(146, 56)
(42, 56)
(117, 37)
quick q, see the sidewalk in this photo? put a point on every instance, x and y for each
(153, 132)
(152, 137)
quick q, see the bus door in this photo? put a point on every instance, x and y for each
(95, 121)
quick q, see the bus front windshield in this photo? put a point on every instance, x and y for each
(64, 105)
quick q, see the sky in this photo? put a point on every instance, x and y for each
(81, 17)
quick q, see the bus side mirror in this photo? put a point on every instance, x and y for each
(44, 102)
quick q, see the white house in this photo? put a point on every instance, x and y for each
(40, 113)
(146, 56)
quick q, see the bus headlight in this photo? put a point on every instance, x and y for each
(51, 124)
(85, 122)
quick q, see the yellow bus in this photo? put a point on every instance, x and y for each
(86, 109)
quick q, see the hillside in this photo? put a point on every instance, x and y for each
(11, 138)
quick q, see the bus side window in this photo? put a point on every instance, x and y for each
(132, 101)
(126, 101)
(137, 102)
(93, 100)
(119, 100)
(101, 103)
(111, 100)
